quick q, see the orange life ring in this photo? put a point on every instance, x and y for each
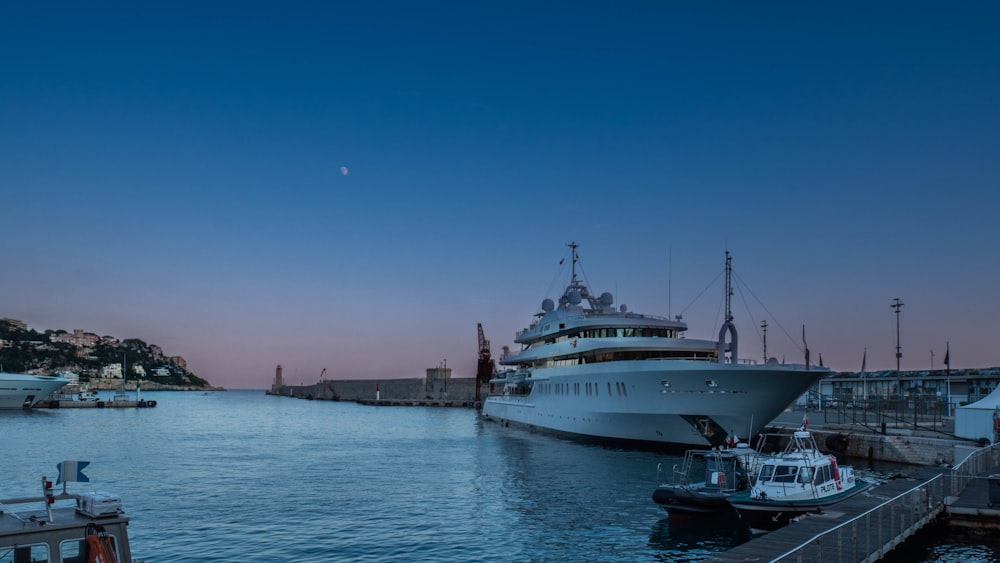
(100, 547)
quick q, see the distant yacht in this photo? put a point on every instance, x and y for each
(587, 370)
(22, 391)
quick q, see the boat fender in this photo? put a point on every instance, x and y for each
(100, 547)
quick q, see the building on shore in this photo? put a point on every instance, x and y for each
(952, 388)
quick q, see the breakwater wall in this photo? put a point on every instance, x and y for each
(413, 389)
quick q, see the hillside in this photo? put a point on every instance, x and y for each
(25, 350)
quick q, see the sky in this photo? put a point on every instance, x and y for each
(355, 186)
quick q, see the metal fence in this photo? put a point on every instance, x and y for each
(877, 413)
(869, 536)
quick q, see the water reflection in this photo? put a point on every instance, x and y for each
(697, 538)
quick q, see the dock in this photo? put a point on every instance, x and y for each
(868, 526)
(65, 404)
(417, 403)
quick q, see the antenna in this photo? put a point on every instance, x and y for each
(763, 326)
(575, 257)
(728, 326)
(670, 279)
(729, 287)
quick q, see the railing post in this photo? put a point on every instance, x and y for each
(881, 544)
(868, 535)
(854, 540)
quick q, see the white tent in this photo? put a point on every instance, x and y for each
(975, 421)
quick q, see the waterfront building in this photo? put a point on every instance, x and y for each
(952, 388)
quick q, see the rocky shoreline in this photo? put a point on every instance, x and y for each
(115, 384)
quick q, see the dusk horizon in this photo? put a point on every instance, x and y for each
(355, 188)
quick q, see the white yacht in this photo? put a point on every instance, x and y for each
(22, 391)
(588, 370)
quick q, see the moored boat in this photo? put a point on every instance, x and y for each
(588, 369)
(48, 528)
(23, 391)
(795, 481)
(704, 480)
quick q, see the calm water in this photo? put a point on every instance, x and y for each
(241, 476)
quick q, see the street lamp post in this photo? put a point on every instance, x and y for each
(897, 305)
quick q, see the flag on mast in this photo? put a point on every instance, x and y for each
(805, 422)
(864, 360)
(947, 360)
(72, 471)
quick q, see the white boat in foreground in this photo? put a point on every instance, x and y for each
(586, 369)
(22, 391)
(799, 480)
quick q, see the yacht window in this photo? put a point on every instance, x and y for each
(36, 553)
(624, 390)
(805, 475)
(822, 474)
(609, 389)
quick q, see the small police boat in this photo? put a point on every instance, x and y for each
(48, 528)
(794, 482)
(704, 481)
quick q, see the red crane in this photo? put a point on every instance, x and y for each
(485, 367)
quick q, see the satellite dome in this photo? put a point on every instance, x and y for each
(623, 308)
(607, 299)
(548, 305)
(574, 297)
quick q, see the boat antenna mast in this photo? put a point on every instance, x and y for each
(574, 284)
(573, 246)
(728, 326)
(763, 326)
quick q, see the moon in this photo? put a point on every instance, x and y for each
(343, 170)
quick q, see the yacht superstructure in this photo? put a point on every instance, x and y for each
(590, 370)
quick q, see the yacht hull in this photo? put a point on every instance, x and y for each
(680, 402)
(20, 391)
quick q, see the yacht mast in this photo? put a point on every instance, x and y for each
(573, 247)
(728, 326)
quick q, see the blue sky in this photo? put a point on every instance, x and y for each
(172, 172)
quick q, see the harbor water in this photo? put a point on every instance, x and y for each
(243, 476)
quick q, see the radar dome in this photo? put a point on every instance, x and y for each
(548, 305)
(607, 299)
(574, 297)
(623, 308)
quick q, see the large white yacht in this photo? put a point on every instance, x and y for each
(586, 369)
(22, 391)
